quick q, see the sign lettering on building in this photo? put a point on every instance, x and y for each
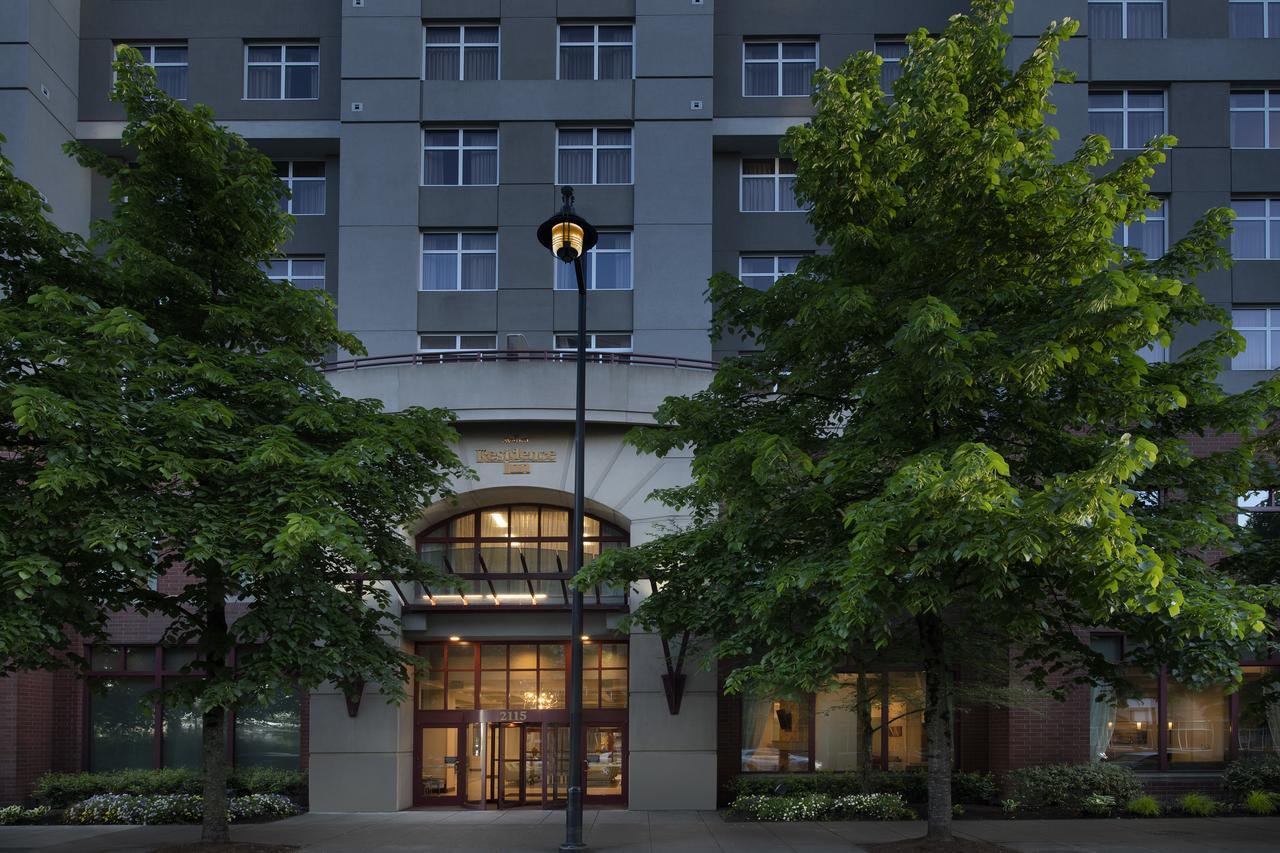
(515, 461)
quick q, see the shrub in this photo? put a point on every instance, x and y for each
(1198, 805)
(1252, 774)
(787, 808)
(871, 807)
(1143, 806)
(59, 790)
(14, 815)
(1010, 807)
(1098, 805)
(171, 808)
(912, 785)
(1259, 803)
(957, 810)
(1067, 785)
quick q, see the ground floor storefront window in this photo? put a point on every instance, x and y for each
(879, 714)
(1156, 724)
(493, 724)
(125, 731)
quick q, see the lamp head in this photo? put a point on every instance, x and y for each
(566, 234)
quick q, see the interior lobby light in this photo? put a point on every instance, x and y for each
(498, 519)
(455, 638)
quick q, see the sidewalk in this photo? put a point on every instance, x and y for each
(658, 832)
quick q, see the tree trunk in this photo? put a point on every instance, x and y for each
(864, 700)
(214, 826)
(214, 649)
(938, 725)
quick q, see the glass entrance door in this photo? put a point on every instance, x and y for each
(516, 764)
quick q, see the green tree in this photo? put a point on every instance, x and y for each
(162, 412)
(939, 441)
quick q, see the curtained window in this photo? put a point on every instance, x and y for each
(775, 735)
(460, 261)
(891, 54)
(1255, 118)
(1149, 236)
(1260, 328)
(762, 271)
(282, 71)
(306, 183)
(1128, 118)
(460, 157)
(768, 185)
(594, 155)
(1254, 19)
(304, 272)
(773, 68)
(461, 52)
(1257, 229)
(596, 52)
(170, 64)
(1126, 19)
(605, 267)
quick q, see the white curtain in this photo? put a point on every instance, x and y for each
(575, 165)
(479, 271)
(442, 62)
(1102, 721)
(264, 81)
(576, 63)
(757, 721)
(615, 61)
(797, 77)
(482, 63)
(1106, 21)
(441, 168)
(757, 193)
(480, 168)
(1144, 126)
(614, 165)
(1249, 239)
(1146, 20)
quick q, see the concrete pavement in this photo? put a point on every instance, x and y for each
(621, 831)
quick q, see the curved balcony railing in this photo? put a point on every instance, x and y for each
(466, 357)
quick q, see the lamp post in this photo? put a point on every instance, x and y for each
(569, 237)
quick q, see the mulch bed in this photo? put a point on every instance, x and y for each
(231, 847)
(920, 845)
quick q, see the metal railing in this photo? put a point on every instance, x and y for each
(470, 356)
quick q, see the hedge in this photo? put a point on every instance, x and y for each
(911, 785)
(1068, 785)
(1252, 774)
(802, 807)
(171, 808)
(59, 790)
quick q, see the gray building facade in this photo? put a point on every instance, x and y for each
(425, 140)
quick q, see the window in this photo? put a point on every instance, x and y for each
(463, 52)
(773, 68)
(275, 72)
(1255, 19)
(1126, 19)
(1258, 509)
(461, 342)
(761, 271)
(518, 675)
(606, 267)
(127, 731)
(460, 261)
(1128, 118)
(1154, 353)
(1257, 234)
(1255, 118)
(596, 52)
(882, 716)
(892, 53)
(455, 157)
(768, 186)
(1261, 330)
(1259, 724)
(1149, 236)
(593, 155)
(299, 270)
(170, 63)
(306, 184)
(596, 341)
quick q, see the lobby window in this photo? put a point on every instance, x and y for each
(1255, 118)
(170, 64)
(461, 52)
(606, 267)
(1261, 330)
(306, 184)
(1126, 19)
(461, 342)
(778, 68)
(1259, 717)
(302, 271)
(454, 157)
(288, 72)
(775, 735)
(768, 186)
(1128, 118)
(1149, 236)
(1257, 229)
(126, 731)
(1255, 19)
(463, 260)
(891, 54)
(593, 155)
(761, 271)
(465, 676)
(596, 52)
(596, 342)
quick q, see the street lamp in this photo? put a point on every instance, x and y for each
(569, 237)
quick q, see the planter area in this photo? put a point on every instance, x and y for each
(1252, 788)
